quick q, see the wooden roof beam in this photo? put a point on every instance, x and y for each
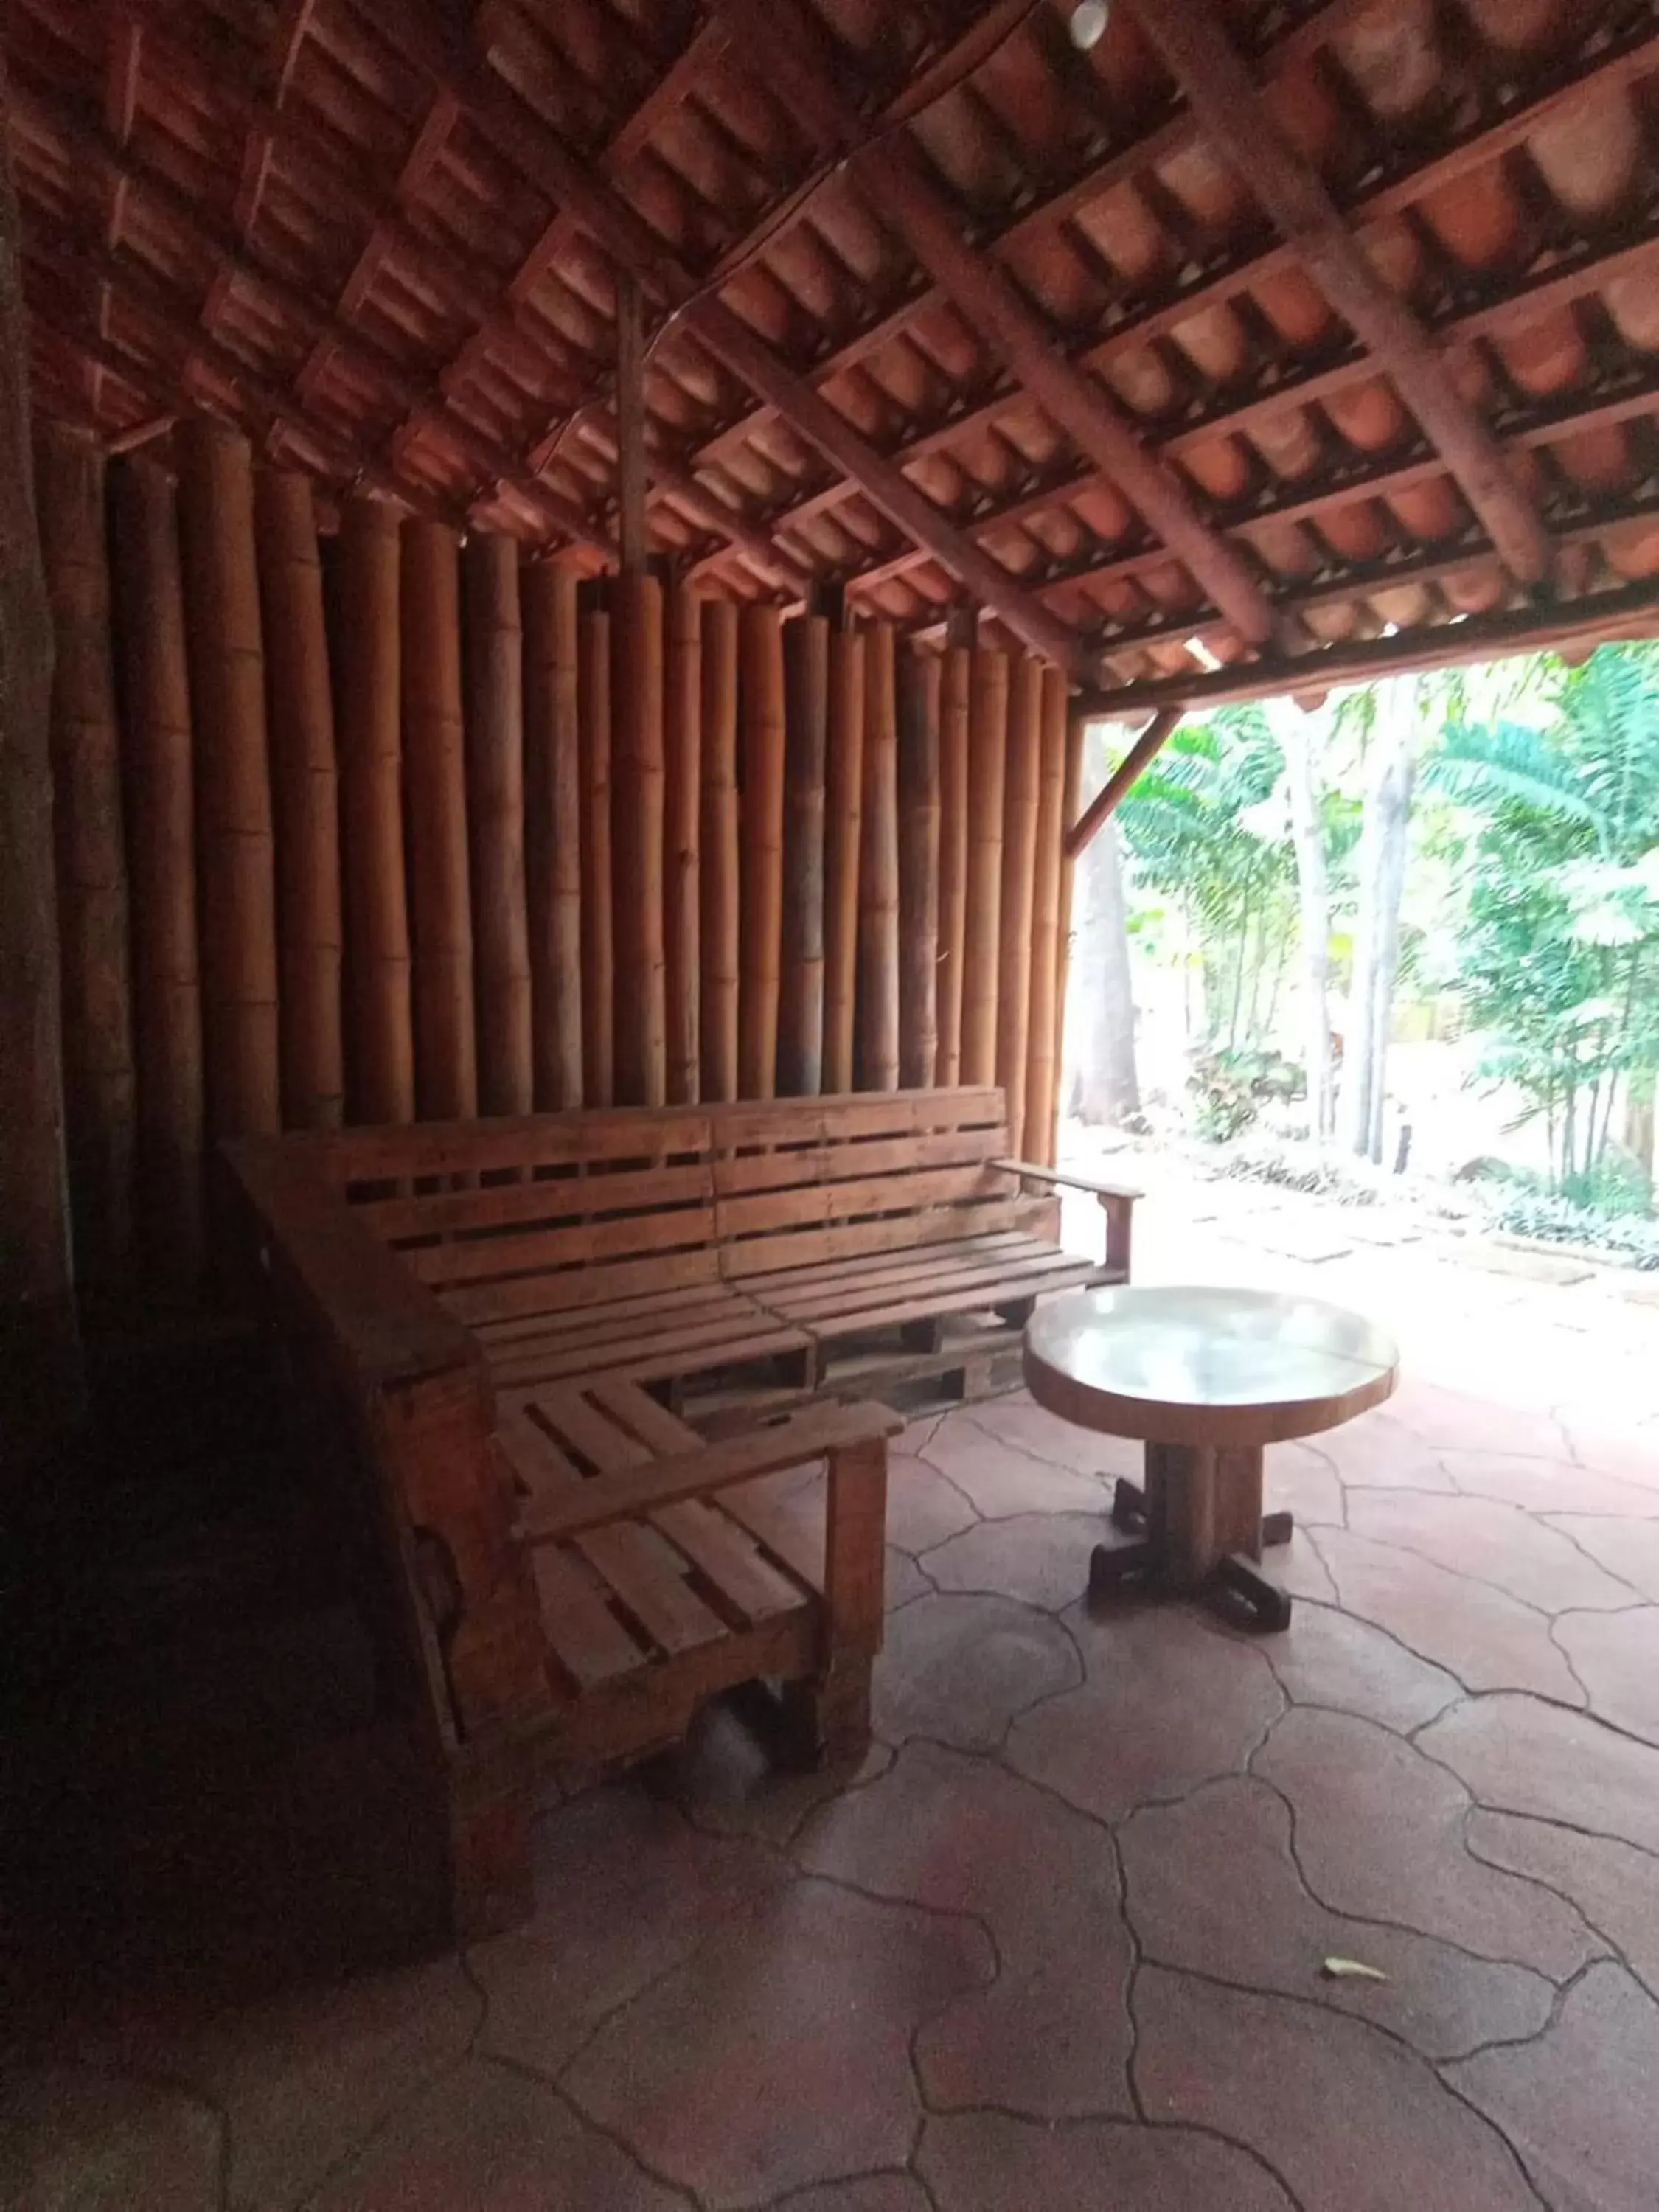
(1227, 103)
(781, 42)
(525, 139)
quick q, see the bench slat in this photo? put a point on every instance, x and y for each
(729, 1557)
(779, 1524)
(584, 1635)
(472, 1303)
(525, 1205)
(587, 1243)
(645, 1572)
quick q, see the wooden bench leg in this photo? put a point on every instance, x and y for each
(977, 1379)
(492, 1808)
(829, 1714)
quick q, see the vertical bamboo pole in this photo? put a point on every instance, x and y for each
(717, 885)
(1019, 831)
(553, 833)
(952, 855)
(682, 841)
(494, 815)
(760, 704)
(806, 721)
(599, 952)
(158, 771)
(1070, 801)
(40, 1376)
(843, 834)
(918, 703)
(636, 830)
(380, 1039)
(235, 862)
(879, 889)
(1041, 1061)
(91, 853)
(435, 792)
(304, 801)
(987, 740)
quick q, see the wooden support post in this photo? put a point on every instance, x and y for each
(1070, 798)
(494, 814)
(91, 854)
(1041, 1067)
(843, 834)
(682, 842)
(380, 1043)
(761, 703)
(435, 792)
(952, 855)
(878, 891)
(918, 701)
(598, 941)
(234, 859)
(553, 829)
(158, 775)
(807, 710)
(305, 801)
(719, 867)
(1123, 779)
(853, 1598)
(1019, 829)
(636, 829)
(988, 742)
(40, 1389)
(630, 424)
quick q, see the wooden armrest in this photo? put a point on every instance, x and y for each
(640, 1490)
(351, 1290)
(1030, 1172)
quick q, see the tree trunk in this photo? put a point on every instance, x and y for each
(1384, 845)
(1300, 737)
(1104, 1084)
(1639, 1119)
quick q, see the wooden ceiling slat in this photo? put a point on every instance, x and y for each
(1226, 101)
(779, 37)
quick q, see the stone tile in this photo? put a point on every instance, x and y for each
(1050, 2037)
(1212, 1885)
(1379, 1452)
(1020, 1421)
(874, 2192)
(1000, 1480)
(1041, 1558)
(1171, 1700)
(986, 2162)
(1627, 1548)
(1615, 1886)
(1476, 1632)
(726, 1782)
(1351, 2119)
(777, 2055)
(75, 2139)
(1555, 1486)
(1520, 1755)
(1496, 1543)
(1452, 1421)
(960, 1668)
(902, 1579)
(1616, 1656)
(1632, 1456)
(923, 1509)
(304, 2080)
(1531, 1266)
(1578, 2103)
(1328, 1658)
(491, 2141)
(1299, 1569)
(1379, 1836)
(1301, 1477)
(624, 1889)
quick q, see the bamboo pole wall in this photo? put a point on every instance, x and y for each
(553, 833)
(471, 834)
(305, 802)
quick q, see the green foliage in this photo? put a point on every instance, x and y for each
(1231, 1088)
(1558, 954)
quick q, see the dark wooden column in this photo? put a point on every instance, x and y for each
(40, 1354)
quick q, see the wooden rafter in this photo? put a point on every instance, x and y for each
(1082, 833)
(783, 40)
(1227, 101)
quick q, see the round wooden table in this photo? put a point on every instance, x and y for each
(1205, 1379)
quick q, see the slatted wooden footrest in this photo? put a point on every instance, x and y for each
(659, 1581)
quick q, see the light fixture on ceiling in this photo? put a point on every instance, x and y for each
(1089, 19)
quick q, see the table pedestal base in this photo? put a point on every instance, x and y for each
(1199, 1527)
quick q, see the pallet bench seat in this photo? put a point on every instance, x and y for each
(511, 1326)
